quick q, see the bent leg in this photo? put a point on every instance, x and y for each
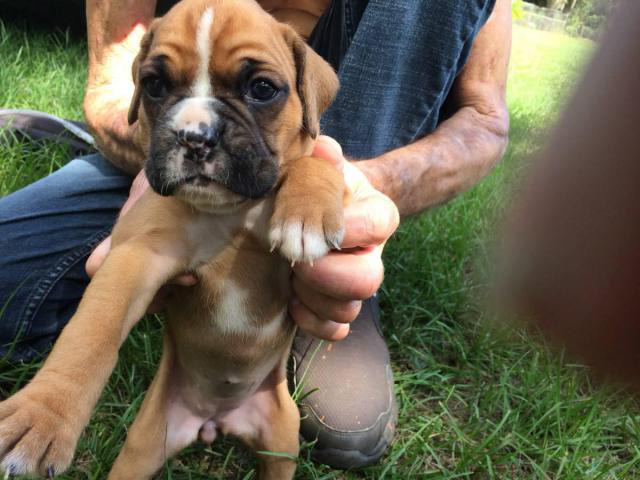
(161, 429)
(269, 424)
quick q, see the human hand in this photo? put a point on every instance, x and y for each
(327, 295)
(138, 187)
(114, 33)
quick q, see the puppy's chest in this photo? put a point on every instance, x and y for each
(243, 294)
(243, 287)
(212, 235)
(230, 330)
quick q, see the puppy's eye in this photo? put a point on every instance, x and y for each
(155, 87)
(262, 90)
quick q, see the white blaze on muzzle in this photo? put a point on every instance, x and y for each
(202, 83)
(189, 114)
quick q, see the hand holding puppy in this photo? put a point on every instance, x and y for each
(328, 295)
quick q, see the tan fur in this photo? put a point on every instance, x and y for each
(211, 372)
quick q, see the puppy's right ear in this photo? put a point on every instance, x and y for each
(145, 45)
(316, 82)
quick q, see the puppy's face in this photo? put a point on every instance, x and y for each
(225, 96)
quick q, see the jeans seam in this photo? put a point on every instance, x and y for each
(348, 20)
(50, 279)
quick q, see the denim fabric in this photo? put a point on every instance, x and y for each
(402, 59)
(47, 230)
(399, 69)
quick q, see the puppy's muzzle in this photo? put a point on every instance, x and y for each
(199, 140)
(207, 143)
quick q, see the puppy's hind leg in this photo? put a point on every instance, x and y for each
(269, 424)
(161, 429)
(280, 442)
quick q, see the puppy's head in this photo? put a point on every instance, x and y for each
(225, 95)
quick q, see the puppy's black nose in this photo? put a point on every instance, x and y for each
(199, 137)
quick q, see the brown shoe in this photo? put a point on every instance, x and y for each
(348, 404)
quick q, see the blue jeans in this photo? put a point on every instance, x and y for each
(47, 231)
(402, 59)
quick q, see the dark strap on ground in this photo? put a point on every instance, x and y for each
(37, 126)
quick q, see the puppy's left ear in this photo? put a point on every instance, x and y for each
(316, 82)
(145, 45)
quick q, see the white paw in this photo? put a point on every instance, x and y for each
(300, 242)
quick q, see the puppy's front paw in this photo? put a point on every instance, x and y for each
(304, 237)
(308, 219)
(35, 438)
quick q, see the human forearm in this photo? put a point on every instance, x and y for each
(437, 167)
(115, 29)
(115, 139)
(463, 148)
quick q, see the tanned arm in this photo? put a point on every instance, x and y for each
(114, 29)
(465, 147)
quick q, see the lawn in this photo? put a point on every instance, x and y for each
(476, 401)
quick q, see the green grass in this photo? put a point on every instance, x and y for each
(476, 402)
(41, 72)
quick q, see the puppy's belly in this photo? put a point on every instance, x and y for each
(229, 334)
(220, 379)
(212, 383)
(221, 356)
(210, 392)
(188, 422)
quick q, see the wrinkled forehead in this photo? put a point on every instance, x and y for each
(201, 39)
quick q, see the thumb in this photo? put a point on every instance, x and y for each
(369, 221)
(330, 150)
(97, 256)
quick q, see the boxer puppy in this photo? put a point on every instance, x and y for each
(228, 100)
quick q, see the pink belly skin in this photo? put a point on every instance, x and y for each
(187, 422)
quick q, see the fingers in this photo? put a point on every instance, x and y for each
(323, 306)
(138, 187)
(320, 328)
(328, 294)
(344, 276)
(97, 257)
(330, 150)
(370, 221)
